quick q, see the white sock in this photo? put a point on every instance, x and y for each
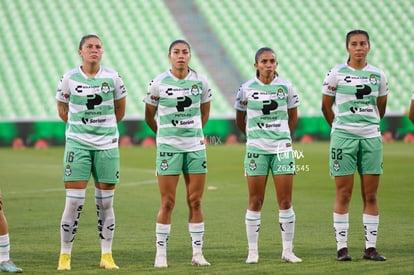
(371, 229)
(252, 221)
(162, 232)
(341, 226)
(4, 248)
(197, 236)
(75, 199)
(287, 227)
(104, 200)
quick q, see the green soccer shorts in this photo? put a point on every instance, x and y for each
(347, 155)
(168, 163)
(79, 164)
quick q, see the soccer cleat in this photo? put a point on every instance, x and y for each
(372, 254)
(343, 255)
(160, 261)
(9, 266)
(198, 259)
(108, 262)
(253, 257)
(289, 257)
(64, 262)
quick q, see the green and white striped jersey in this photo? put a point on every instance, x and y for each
(178, 110)
(356, 93)
(267, 105)
(91, 119)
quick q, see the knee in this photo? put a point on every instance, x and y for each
(256, 203)
(344, 196)
(167, 204)
(194, 202)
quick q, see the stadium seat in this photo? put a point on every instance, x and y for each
(40, 40)
(136, 36)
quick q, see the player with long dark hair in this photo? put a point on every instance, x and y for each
(91, 100)
(353, 102)
(266, 111)
(177, 107)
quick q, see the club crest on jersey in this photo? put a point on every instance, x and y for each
(68, 170)
(372, 79)
(252, 165)
(164, 165)
(280, 93)
(336, 165)
(105, 87)
(195, 90)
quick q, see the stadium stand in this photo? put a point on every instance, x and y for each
(309, 38)
(40, 39)
(39, 46)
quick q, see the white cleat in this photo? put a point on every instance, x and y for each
(161, 261)
(198, 259)
(289, 257)
(253, 257)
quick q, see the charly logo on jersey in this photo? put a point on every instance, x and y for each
(105, 87)
(88, 88)
(195, 90)
(164, 165)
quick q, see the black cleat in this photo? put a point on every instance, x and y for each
(343, 254)
(372, 254)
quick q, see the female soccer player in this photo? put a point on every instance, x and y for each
(266, 111)
(359, 92)
(6, 264)
(180, 98)
(91, 100)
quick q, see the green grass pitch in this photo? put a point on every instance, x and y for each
(34, 199)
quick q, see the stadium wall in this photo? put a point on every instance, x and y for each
(219, 131)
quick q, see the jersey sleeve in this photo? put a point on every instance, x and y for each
(206, 95)
(153, 94)
(383, 89)
(63, 91)
(293, 97)
(240, 102)
(120, 90)
(330, 84)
